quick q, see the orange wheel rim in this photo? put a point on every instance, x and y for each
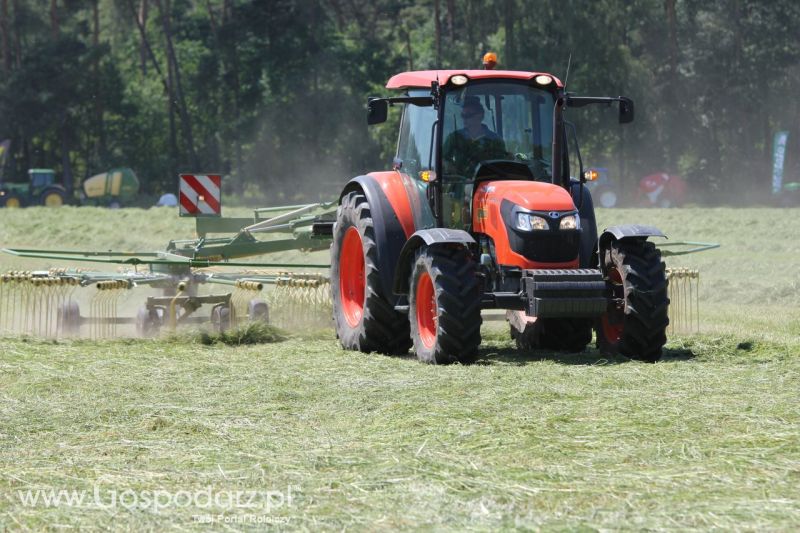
(351, 277)
(427, 314)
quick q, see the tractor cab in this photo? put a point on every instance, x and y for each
(467, 135)
(40, 178)
(490, 129)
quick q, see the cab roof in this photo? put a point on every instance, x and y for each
(424, 78)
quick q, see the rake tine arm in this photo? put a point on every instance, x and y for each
(695, 247)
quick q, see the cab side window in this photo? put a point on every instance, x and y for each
(414, 146)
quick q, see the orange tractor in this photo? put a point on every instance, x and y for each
(480, 211)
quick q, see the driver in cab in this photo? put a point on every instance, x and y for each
(475, 142)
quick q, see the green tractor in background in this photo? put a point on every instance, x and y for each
(41, 189)
(111, 189)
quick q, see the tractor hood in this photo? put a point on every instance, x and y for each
(495, 203)
(531, 195)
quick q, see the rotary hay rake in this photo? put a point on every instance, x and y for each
(47, 304)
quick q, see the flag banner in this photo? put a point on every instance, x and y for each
(778, 156)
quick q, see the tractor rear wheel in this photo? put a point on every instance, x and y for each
(445, 306)
(566, 334)
(559, 334)
(635, 324)
(364, 318)
(53, 198)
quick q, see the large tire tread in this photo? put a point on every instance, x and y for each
(458, 302)
(646, 302)
(382, 329)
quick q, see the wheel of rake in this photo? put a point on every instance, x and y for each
(149, 321)
(635, 326)
(445, 306)
(364, 318)
(258, 311)
(221, 318)
(69, 318)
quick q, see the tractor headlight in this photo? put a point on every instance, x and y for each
(527, 222)
(570, 222)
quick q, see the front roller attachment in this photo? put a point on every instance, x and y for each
(565, 293)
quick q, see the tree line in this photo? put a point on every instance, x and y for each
(272, 92)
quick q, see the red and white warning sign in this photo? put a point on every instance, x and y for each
(200, 195)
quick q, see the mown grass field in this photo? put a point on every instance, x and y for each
(709, 438)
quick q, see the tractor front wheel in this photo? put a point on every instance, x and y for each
(445, 306)
(636, 320)
(364, 318)
(11, 200)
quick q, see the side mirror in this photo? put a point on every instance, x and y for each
(625, 110)
(377, 110)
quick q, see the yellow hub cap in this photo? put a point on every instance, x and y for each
(53, 200)
(13, 202)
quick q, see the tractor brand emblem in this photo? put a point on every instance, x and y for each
(554, 214)
(481, 213)
(200, 195)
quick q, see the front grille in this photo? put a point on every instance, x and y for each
(543, 246)
(553, 246)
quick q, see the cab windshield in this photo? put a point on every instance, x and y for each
(497, 127)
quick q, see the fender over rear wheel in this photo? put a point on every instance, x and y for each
(635, 324)
(445, 306)
(364, 318)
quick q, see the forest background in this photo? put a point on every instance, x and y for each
(272, 93)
